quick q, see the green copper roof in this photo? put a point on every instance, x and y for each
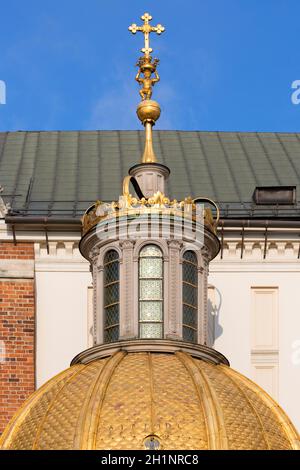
(61, 173)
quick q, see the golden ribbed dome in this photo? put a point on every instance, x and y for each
(125, 400)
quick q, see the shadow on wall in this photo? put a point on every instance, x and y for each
(214, 304)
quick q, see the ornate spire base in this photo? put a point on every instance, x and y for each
(151, 177)
(148, 112)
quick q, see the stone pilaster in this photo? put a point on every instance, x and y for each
(173, 314)
(97, 332)
(202, 297)
(127, 329)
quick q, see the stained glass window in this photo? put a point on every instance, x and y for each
(189, 296)
(111, 296)
(151, 292)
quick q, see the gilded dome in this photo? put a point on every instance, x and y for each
(129, 399)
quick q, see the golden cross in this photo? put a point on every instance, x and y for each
(146, 29)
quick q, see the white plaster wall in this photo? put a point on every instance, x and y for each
(233, 283)
(232, 322)
(61, 315)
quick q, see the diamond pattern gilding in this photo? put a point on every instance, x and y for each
(178, 415)
(124, 420)
(243, 427)
(26, 434)
(277, 440)
(148, 393)
(60, 426)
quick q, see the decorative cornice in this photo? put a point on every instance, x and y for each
(154, 345)
(258, 249)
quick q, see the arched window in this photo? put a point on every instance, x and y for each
(111, 296)
(150, 292)
(189, 296)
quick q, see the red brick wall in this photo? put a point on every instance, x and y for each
(17, 335)
(19, 251)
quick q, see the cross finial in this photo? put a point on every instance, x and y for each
(146, 29)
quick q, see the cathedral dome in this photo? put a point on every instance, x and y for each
(140, 400)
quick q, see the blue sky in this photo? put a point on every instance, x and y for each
(225, 64)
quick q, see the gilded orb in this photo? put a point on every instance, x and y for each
(148, 111)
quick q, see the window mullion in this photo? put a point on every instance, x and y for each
(150, 292)
(189, 296)
(111, 296)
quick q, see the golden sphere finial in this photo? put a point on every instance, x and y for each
(148, 111)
